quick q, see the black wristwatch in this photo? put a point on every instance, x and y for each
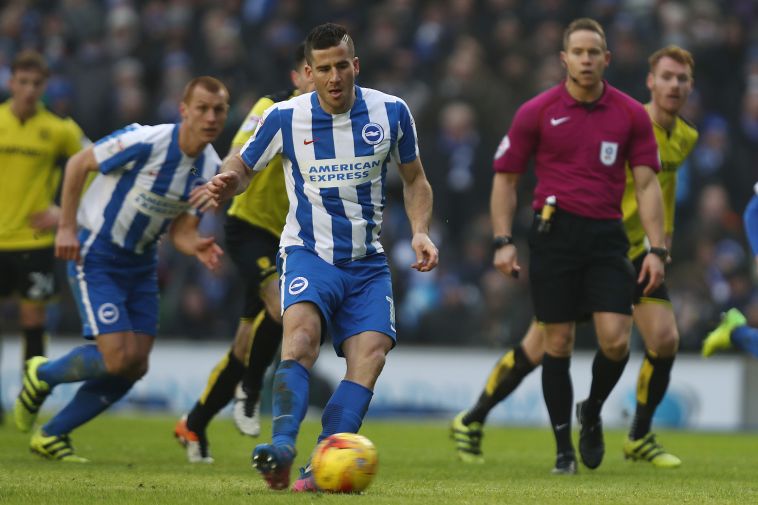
(661, 252)
(501, 241)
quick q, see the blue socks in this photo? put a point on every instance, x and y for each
(290, 401)
(746, 338)
(92, 398)
(82, 363)
(346, 408)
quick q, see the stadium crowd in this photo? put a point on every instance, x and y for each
(463, 66)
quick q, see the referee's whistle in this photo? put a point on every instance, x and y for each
(546, 216)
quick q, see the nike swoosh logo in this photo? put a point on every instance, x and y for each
(308, 142)
(560, 120)
(559, 427)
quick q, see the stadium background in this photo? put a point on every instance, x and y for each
(463, 66)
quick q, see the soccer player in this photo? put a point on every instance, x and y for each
(733, 329)
(33, 143)
(582, 134)
(670, 83)
(253, 227)
(147, 175)
(335, 146)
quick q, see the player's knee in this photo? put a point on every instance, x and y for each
(615, 349)
(126, 364)
(301, 346)
(666, 343)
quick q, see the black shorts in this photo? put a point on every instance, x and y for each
(253, 250)
(580, 266)
(28, 273)
(661, 293)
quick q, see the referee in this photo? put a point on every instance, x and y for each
(581, 133)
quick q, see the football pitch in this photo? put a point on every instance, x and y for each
(136, 460)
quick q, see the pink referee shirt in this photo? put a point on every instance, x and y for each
(580, 150)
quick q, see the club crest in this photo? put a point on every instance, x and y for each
(608, 152)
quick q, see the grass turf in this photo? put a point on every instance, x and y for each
(136, 460)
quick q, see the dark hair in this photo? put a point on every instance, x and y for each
(206, 82)
(676, 53)
(299, 57)
(588, 24)
(29, 59)
(326, 36)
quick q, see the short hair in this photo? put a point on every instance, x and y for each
(206, 82)
(325, 36)
(588, 24)
(674, 52)
(29, 59)
(299, 56)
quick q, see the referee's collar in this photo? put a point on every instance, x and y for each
(570, 101)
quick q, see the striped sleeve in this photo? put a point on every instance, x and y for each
(407, 140)
(265, 143)
(121, 147)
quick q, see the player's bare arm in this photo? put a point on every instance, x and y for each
(185, 237)
(77, 167)
(233, 180)
(650, 205)
(46, 219)
(502, 210)
(417, 195)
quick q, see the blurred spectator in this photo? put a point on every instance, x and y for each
(463, 66)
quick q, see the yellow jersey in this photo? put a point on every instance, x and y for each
(31, 154)
(264, 203)
(673, 147)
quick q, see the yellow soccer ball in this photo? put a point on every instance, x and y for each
(344, 463)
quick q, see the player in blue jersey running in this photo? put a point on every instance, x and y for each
(733, 330)
(147, 176)
(335, 145)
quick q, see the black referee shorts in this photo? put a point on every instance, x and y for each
(580, 266)
(661, 293)
(253, 250)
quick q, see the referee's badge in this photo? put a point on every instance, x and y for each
(608, 151)
(372, 133)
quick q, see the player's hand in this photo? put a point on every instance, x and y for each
(66, 244)
(427, 255)
(220, 188)
(46, 219)
(506, 260)
(652, 270)
(208, 252)
(202, 199)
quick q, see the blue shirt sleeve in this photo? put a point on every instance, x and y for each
(121, 147)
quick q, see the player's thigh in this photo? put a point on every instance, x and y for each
(533, 342)
(271, 297)
(143, 298)
(100, 300)
(368, 305)
(253, 251)
(656, 323)
(306, 278)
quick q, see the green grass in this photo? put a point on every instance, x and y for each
(136, 460)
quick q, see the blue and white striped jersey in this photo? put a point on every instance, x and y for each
(335, 168)
(144, 183)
